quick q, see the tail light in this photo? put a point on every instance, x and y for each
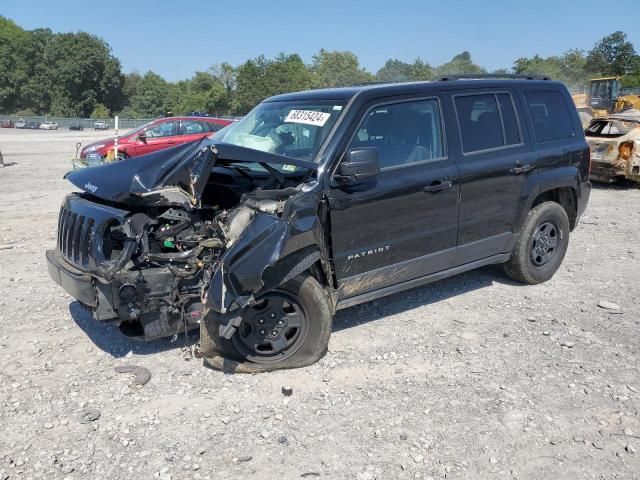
(625, 150)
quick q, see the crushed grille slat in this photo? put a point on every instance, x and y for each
(85, 241)
(75, 238)
(67, 235)
(77, 225)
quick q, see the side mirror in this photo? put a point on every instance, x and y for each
(142, 137)
(359, 164)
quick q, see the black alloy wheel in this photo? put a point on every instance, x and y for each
(273, 329)
(544, 243)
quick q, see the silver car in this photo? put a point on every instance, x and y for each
(49, 126)
(615, 147)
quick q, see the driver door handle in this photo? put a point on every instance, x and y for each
(518, 168)
(438, 185)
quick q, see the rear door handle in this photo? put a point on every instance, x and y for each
(437, 186)
(518, 169)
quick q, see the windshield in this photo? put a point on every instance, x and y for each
(292, 129)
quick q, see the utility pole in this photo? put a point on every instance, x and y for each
(115, 143)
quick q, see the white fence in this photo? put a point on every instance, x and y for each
(64, 122)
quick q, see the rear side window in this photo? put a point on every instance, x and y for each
(192, 127)
(487, 121)
(610, 128)
(164, 129)
(550, 116)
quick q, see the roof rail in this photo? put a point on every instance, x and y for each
(480, 76)
(365, 84)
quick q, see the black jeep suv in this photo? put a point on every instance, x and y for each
(320, 200)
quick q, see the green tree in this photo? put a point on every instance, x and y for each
(260, 78)
(65, 74)
(200, 93)
(151, 97)
(226, 75)
(421, 70)
(613, 55)
(100, 112)
(459, 64)
(12, 40)
(537, 65)
(287, 73)
(570, 67)
(395, 70)
(82, 73)
(337, 69)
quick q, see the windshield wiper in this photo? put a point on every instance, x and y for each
(244, 171)
(275, 175)
(236, 153)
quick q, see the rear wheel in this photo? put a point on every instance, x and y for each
(287, 327)
(541, 246)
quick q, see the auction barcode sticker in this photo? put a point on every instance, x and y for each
(308, 117)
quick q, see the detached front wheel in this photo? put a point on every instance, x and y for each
(288, 327)
(541, 246)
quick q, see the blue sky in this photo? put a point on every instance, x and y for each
(176, 38)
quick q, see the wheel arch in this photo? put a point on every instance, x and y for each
(561, 187)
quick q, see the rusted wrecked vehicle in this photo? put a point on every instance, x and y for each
(615, 147)
(321, 200)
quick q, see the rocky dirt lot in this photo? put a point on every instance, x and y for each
(471, 377)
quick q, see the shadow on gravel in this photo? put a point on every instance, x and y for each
(620, 185)
(419, 296)
(109, 338)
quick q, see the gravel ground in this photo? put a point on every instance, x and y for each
(471, 377)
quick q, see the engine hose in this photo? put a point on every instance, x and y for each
(176, 257)
(181, 273)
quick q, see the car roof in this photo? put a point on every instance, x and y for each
(390, 89)
(629, 115)
(206, 119)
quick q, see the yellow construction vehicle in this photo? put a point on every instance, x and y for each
(603, 98)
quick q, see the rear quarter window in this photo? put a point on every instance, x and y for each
(611, 128)
(214, 127)
(550, 116)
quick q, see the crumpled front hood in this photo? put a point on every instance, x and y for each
(174, 176)
(128, 181)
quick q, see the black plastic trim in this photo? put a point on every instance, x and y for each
(416, 282)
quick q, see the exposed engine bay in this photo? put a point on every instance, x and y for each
(194, 231)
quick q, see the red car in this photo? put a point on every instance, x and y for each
(156, 135)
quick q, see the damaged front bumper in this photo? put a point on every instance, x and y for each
(76, 283)
(128, 296)
(147, 243)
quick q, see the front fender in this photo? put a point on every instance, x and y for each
(265, 254)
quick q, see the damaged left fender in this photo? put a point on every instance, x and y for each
(270, 250)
